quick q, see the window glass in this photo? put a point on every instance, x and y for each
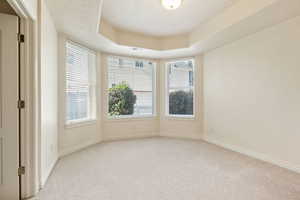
(80, 83)
(180, 88)
(131, 87)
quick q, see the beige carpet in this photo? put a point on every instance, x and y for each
(167, 169)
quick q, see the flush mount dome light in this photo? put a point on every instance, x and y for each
(171, 4)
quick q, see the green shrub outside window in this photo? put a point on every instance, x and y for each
(181, 103)
(121, 100)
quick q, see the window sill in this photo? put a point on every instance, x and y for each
(80, 123)
(180, 117)
(131, 118)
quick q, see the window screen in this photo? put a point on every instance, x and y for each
(131, 86)
(80, 83)
(180, 88)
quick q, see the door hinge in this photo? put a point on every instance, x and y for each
(21, 104)
(21, 170)
(21, 38)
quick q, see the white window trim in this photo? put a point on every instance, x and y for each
(81, 122)
(92, 107)
(167, 94)
(154, 86)
(131, 117)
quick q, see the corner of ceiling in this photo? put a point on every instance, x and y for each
(128, 38)
(222, 28)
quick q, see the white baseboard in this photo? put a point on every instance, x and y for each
(64, 153)
(49, 172)
(72, 149)
(112, 138)
(181, 135)
(259, 156)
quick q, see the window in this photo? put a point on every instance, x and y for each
(131, 85)
(180, 88)
(80, 83)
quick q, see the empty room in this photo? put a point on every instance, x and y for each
(149, 99)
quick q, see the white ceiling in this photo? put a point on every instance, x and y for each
(79, 21)
(150, 18)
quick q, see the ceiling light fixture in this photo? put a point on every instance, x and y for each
(171, 4)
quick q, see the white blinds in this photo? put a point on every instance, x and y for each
(80, 82)
(139, 75)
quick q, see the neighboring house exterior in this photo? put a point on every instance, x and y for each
(139, 76)
(181, 75)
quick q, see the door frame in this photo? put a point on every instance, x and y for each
(30, 93)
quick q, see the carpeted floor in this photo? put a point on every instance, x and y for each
(167, 169)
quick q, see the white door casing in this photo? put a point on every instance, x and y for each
(9, 113)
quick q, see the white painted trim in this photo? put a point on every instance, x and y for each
(167, 84)
(38, 96)
(83, 146)
(50, 170)
(130, 117)
(20, 8)
(260, 156)
(180, 135)
(80, 123)
(132, 137)
(180, 117)
(29, 118)
(28, 123)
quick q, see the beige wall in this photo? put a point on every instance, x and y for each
(252, 95)
(116, 129)
(75, 137)
(48, 89)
